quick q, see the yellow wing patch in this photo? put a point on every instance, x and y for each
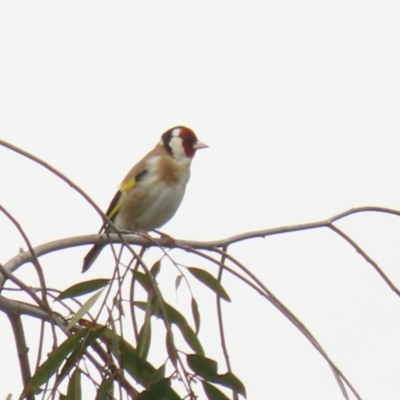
(115, 204)
(127, 185)
(114, 210)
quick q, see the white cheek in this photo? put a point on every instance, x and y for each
(177, 149)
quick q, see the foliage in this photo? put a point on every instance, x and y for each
(104, 330)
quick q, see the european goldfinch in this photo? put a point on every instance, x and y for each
(153, 189)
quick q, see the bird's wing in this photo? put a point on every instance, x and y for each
(127, 184)
(135, 175)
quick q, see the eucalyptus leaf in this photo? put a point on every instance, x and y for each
(212, 283)
(83, 288)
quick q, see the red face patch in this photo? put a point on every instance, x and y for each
(189, 139)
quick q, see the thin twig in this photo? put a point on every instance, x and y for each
(220, 320)
(300, 325)
(33, 254)
(39, 271)
(132, 297)
(366, 257)
(24, 287)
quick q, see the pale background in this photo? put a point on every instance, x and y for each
(299, 103)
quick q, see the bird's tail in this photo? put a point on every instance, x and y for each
(91, 256)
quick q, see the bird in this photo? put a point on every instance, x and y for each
(153, 189)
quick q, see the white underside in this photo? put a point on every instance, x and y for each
(154, 201)
(162, 208)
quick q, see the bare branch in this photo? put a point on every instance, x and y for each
(22, 348)
(267, 294)
(366, 257)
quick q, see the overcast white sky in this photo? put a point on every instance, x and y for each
(299, 103)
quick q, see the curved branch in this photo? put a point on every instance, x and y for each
(21, 308)
(362, 209)
(57, 173)
(267, 294)
(133, 239)
(193, 246)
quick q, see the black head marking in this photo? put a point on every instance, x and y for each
(187, 140)
(166, 138)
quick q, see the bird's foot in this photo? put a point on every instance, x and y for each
(140, 232)
(165, 240)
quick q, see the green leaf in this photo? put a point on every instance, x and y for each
(114, 339)
(212, 392)
(207, 279)
(144, 339)
(155, 269)
(105, 390)
(75, 356)
(83, 288)
(54, 361)
(160, 390)
(74, 391)
(158, 375)
(204, 367)
(178, 281)
(207, 369)
(70, 362)
(191, 338)
(144, 280)
(196, 315)
(139, 369)
(78, 352)
(175, 317)
(84, 309)
(232, 382)
(171, 349)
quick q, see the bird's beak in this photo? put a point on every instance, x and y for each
(199, 145)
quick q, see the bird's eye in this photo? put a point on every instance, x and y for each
(189, 139)
(188, 136)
